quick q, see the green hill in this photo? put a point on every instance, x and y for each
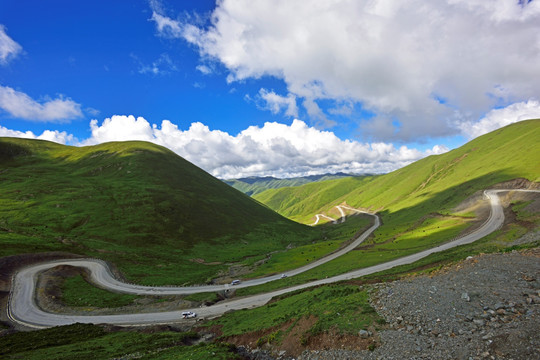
(436, 183)
(418, 204)
(255, 185)
(158, 217)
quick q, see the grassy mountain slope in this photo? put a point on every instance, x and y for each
(256, 185)
(435, 183)
(418, 203)
(136, 204)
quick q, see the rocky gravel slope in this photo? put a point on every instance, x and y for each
(486, 307)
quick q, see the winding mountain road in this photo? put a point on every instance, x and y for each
(23, 309)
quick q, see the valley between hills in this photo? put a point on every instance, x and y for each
(184, 228)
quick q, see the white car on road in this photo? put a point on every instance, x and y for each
(188, 315)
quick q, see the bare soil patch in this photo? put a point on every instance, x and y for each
(295, 337)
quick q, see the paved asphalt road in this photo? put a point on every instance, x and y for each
(23, 309)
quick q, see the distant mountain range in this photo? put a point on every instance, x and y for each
(255, 185)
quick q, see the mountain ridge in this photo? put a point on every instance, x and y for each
(254, 185)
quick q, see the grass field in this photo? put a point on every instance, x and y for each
(77, 292)
(499, 241)
(343, 306)
(85, 341)
(339, 308)
(135, 204)
(416, 203)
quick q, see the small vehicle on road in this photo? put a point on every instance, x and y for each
(188, 315)
(235, 282)
(283, 276)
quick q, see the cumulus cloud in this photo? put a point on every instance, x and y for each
(276, 103)
(273, 149)
(120, 128)
(417, 62)
(20, 105)
(498, 118)
(60, 137)
(8, 47)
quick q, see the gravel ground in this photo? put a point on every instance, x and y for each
(486, 307)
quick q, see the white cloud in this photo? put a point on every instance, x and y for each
(166, 26)
(91, 111)
(61, 137)
(316, 113)
(120, 128)
(276, 103)
(274, 149)
(498, 118)
(162, 66)
(204, 69)
(415, 61)
(8, 47)
(20, 105)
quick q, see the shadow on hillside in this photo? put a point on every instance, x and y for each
(10, 150)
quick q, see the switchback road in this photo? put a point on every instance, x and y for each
(23, 309)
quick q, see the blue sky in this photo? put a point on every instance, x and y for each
(279, 88)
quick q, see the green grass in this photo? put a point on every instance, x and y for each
(217, 351)
(438, 183)
(203, 297)
(77, 292)
(294, 258)
(85, 341)
(498, 241)
(365, 256)
(250, 320)
(342, 308)
(416, 203)
(135, 204)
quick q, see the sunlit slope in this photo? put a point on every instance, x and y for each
(136, 204)
(436, 183)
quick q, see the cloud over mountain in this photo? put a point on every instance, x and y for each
(273, 149)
